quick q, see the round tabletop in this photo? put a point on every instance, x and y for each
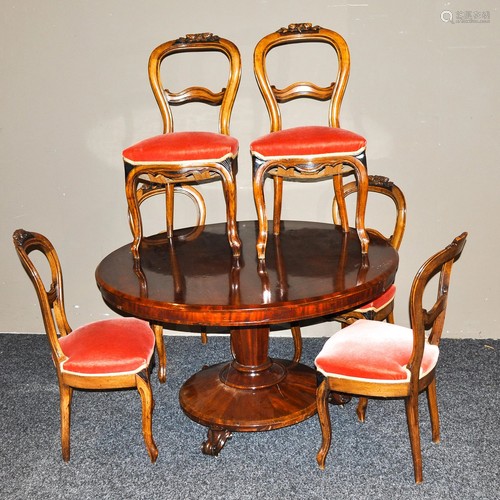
(311, 269)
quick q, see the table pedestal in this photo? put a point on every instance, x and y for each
(251, 393)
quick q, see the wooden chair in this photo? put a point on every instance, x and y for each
(380, 309)
(172, 161)
(107, 354)
(307, 152)
(376, 359)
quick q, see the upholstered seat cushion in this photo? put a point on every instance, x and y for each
(308, 141)
(111, 346)
(372, 350)
(380, 302)
(182, 146)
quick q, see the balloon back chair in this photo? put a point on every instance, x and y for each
(382, 307)
(306, 152)
(173, 161)
(107, 354)
(379, 359)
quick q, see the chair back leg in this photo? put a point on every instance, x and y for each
(413, 428)
(361, 408)
(169, 209)
(278, 202)
(297, 340)
(433, 410)
(204, 338)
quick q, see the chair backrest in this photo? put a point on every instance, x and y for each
(225, 98)
(297, 33)
(382, 185)
(51, 299)
(432, 319)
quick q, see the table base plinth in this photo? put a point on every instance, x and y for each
(207, 400)
(252, 379)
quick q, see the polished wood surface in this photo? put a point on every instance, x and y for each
(422, 320)
(311, 269)
(51, 300)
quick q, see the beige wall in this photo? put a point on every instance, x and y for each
(74, 94)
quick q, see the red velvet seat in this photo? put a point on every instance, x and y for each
(379, 303)
(306, 152)
(205, 147)
(108, 347)
(372, 350)
(308, 142)
(107, 354)
(377, 359)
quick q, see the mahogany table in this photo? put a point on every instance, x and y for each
(311, 270)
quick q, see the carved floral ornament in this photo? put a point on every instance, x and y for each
(299, 28)
(456, 241)
(379, 180)
(198, 38)
(20, 236)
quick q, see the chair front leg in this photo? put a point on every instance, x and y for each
(338, 185)
(361, 408)
(65, 394)
(324, 419)
(260, 205)
(362, 180)
(134, 214)
(390, 317)
(144, 388)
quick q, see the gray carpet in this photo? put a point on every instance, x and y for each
(366, 461)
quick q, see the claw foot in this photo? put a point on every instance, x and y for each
(216, 440)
